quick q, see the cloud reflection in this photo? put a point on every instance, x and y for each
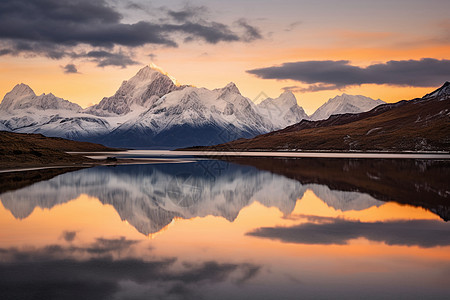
(422, 233)
(94, 271)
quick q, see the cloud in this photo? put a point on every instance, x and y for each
(70, 69)
(422, 233)
(326, 75)
(105, 58)
(292, 26)
(188, 13)
(251, 33)
(55, 27)
(109, 272)
(69, 236)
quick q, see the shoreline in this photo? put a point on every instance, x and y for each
(83, 165)
(287, 154)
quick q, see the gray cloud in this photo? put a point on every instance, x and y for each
(422, 233)
(188, 13)
(326, 75)
(70, 69)
(105, 58)
(251, 33)
(54, 27)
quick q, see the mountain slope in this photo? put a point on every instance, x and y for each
(282, 111)
(345, 104)
(417, 125)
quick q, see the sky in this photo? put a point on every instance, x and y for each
(81, 50)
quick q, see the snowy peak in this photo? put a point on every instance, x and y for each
(231, 88)
(282, 111)
(21, 90)
(287, 98)
(23, 97)
(442, 93)
(345, 104)
(139, 92)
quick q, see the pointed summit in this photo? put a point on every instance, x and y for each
(22, 90)
(287, 98)
(149, 84)
(19, 92)
(232, 88)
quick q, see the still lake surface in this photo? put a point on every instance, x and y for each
(242, 228)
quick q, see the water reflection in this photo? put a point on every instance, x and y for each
(150, 196)
(259, 229)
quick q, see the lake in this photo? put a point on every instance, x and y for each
(193, 227)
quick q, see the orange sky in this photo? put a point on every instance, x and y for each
(316, 32)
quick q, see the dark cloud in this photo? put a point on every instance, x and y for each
(54, 27)
(251, 33)
(188, 13)
(69, 236)
(211, 32)
(6, 52)
(422, 233)
(326, 75)
(105, 58)
(70, 69)
(61, 272)
(73, 22)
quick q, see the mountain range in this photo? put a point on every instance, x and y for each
(420, 124)
(151, 110)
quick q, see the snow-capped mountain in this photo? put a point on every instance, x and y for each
(23, 111)
(345, 104)
(282, 111)
(22, 97)
(192, 116)
(147, 86)
(151, 110)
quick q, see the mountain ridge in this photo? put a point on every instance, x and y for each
(148, 110)
(419, 124)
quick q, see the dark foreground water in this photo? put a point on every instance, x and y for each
(246, 228)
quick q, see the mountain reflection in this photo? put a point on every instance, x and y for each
(149, 197)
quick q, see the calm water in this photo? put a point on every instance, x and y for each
(248, 229)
